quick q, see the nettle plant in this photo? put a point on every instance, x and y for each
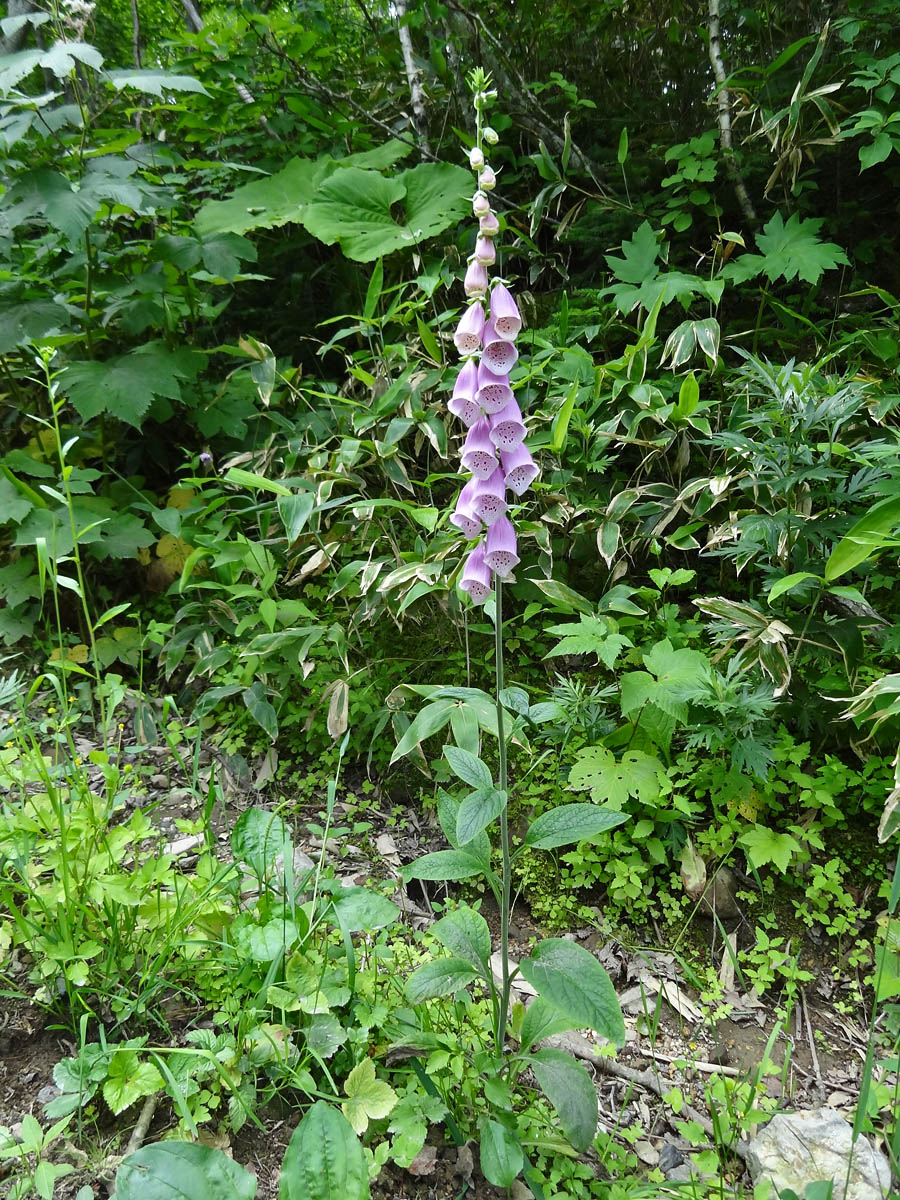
(569, 987)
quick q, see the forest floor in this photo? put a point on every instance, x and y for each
(807, 1055)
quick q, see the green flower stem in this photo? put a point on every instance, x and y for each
(506, 880)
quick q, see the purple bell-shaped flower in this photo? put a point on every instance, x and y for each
(507, 427)
(499, 354)
(476, 576)
(479, 456)
(485, 251)
(493, 391)
(519, 469)
(488, 225)
(505, 318)
(464, 518)
(476, 280)
(489, 499)
(500, 547)
(463, 402)
(467, 338)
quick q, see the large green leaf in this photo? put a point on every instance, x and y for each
(45, 194)
(570, 823)
(442, 977)
(571, 978)
(184, 1171)
(324, 1160)
(359, 908)
(258, 838)
(465, 933)
(127, 385)
(569, 1089)
(501, 1155)
(444, 865)
(597, 771)
(468, 767)
(268, 202)
(155, 83)
(354, 208)
(864, 539)
(542, 1020)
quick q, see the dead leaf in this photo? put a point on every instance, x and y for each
(693, 871)
(425, 1161)
(729, 958)
(520, 985)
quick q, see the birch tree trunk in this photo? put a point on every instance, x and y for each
(723, 115)
(416, 95)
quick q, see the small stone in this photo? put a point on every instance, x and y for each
(670, 1157)
(798, 1148)
(680, 1174)
(647, 1153)
(159, 781)
(48, 1093)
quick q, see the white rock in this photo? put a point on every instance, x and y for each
(795, 1149)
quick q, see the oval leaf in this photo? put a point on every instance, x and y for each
(358, 908)
(569, 1089)
(571, 823)
(501, 1155)
(468, 768)
(324, 1160)
(571, 979)
(443, 865)
(442, 977)
(477, 811)
(465, 933)
(183, 1171)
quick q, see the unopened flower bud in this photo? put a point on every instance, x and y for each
(485, 252)
(488, 225)
(490, 135)
(476, 158)
(487, 180)
(476, 280)
(480, 204)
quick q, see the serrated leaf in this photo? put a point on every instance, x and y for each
(62, 57)
(324, 1160)
(571, 823)
(788, 251)
(570, 978)
(465, 933)
(126, 386)
(639, 257)
(155, 83)
(477, 811)
(570, 1090)
(354, 208)
(325, 1034)
(368, 1098)
(184, 1171)
(45, 194)
(763, 846)
(129, 1080)
(596, 770)
(442, 977)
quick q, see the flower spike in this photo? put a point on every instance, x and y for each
(476, 576)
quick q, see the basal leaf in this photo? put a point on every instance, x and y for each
(542, 1020)
(501, 1155)
(570, 1090)
(266, 203)
(359, 908)
(184, 1171)
(324, 1160)
(465, 933)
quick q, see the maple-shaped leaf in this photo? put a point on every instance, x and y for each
(126, 386)
(788, 251)
(597, 771)
(639, 257)
(129, 1080)
(368, 1098)
(589, 635)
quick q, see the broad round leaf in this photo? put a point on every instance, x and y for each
(442, 977)
(569, 1089)
(359, 908)
(183, 1171)
(324, 1160)
(571, 823)
(571, 978)
(356, 208)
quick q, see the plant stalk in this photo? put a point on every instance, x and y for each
(506, 878)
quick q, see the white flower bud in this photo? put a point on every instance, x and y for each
(490, 136)
(476, 159)
(487, 180)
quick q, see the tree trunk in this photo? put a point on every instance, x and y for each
(416, 95)
(14, 43)
(723, 116)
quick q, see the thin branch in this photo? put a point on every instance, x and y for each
(723, 116)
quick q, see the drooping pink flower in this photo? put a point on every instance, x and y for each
(487, 180)
(493, 391)
(467, 338)
(485, 251)
(499, 354)
(505, 317)
(519, 468)
(489, 499)
(463, 402)
(500, 547)
(488, 225)
(480, 204)
(507, 427)
(476, 576)
(464, 517)
(479, 456)
(476, 280)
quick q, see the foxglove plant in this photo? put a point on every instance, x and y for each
(574, 990)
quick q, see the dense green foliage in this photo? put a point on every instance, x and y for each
(231, 239)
